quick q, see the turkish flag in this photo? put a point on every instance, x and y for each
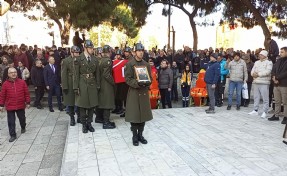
(4, 7)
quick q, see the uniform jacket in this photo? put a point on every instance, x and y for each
(263, 68)
(107, 84)
(186, 78)
(67, 74)
(87, 81)
(138, 107)
(14, 95)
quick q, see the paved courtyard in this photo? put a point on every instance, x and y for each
(182, 142)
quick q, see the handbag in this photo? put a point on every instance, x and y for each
(245, 91)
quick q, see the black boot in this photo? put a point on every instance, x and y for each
(72, 121)
(109, 125)
(135, 135)
(90, 127)
(140, 135)
(123, 115)
(84, 127)
(115, 110)
(78, 117)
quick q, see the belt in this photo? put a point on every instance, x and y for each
(90, 75)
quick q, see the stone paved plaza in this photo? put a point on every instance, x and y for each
(182, 142)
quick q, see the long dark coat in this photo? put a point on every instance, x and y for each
(87, 81)
(138, 107)
(107, 90)
(67, 74)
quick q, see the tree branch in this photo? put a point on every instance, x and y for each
(51, 14)
(11, 2)
(174, 5)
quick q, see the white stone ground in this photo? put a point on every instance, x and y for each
(181, 142)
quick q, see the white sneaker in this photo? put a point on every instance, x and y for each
(263, 115)
(253, 113)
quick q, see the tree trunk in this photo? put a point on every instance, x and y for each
(65, 33)
(194, 32)
(261, 21)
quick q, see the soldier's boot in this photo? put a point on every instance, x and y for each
(115, 110)
(90, 127)
(84, 124)
(135, 138)
(78, 117)
(123, 115)
(140, 134)
(107, 124)
(72, 121)
(72, 117)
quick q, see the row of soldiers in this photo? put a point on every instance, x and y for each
(88, 85)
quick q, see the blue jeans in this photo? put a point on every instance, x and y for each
(238, 86)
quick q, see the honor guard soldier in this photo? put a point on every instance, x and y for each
(107, 90)
(138, 109)
(119, 77)
(87, 85)
(128, 53)
(67, 74)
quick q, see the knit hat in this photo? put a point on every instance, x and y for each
(264, 53)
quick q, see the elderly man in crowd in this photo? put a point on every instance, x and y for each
(15, 97)
(261, 73)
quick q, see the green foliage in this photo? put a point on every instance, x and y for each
(274, 11)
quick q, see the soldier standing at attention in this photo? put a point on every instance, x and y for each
(107, 91)
(86, 85)
(138, 109)
(67, 74)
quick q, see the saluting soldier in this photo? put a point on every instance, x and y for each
(107, 90)
(86, 85)
(138, 109)
(67, 74)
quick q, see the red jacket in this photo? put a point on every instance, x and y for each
(14, 95)
(23, 58)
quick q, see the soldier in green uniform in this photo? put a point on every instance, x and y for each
(127, 56)
(138, 109)
(67, 74)
(107, 90)
(87, 85)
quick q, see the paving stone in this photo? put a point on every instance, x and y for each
(36, 153)
(20, 149)
(29, 169)
(51, 161)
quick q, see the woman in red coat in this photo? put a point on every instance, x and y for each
(15, 97)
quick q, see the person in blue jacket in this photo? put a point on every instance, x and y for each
(212, 75)
(220, 86)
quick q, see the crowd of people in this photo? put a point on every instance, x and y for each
(86, 77)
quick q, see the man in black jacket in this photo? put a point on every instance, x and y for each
(279, 77)
(37, 78)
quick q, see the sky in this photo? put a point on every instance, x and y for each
(22, 30)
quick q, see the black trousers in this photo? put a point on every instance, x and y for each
(11, 120)
(39, 95)
(165, 96)
(219, 91)
(86, 115)
(174, 92)
(103, 114)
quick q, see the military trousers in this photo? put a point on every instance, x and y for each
(86, 115)
(103, 114)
